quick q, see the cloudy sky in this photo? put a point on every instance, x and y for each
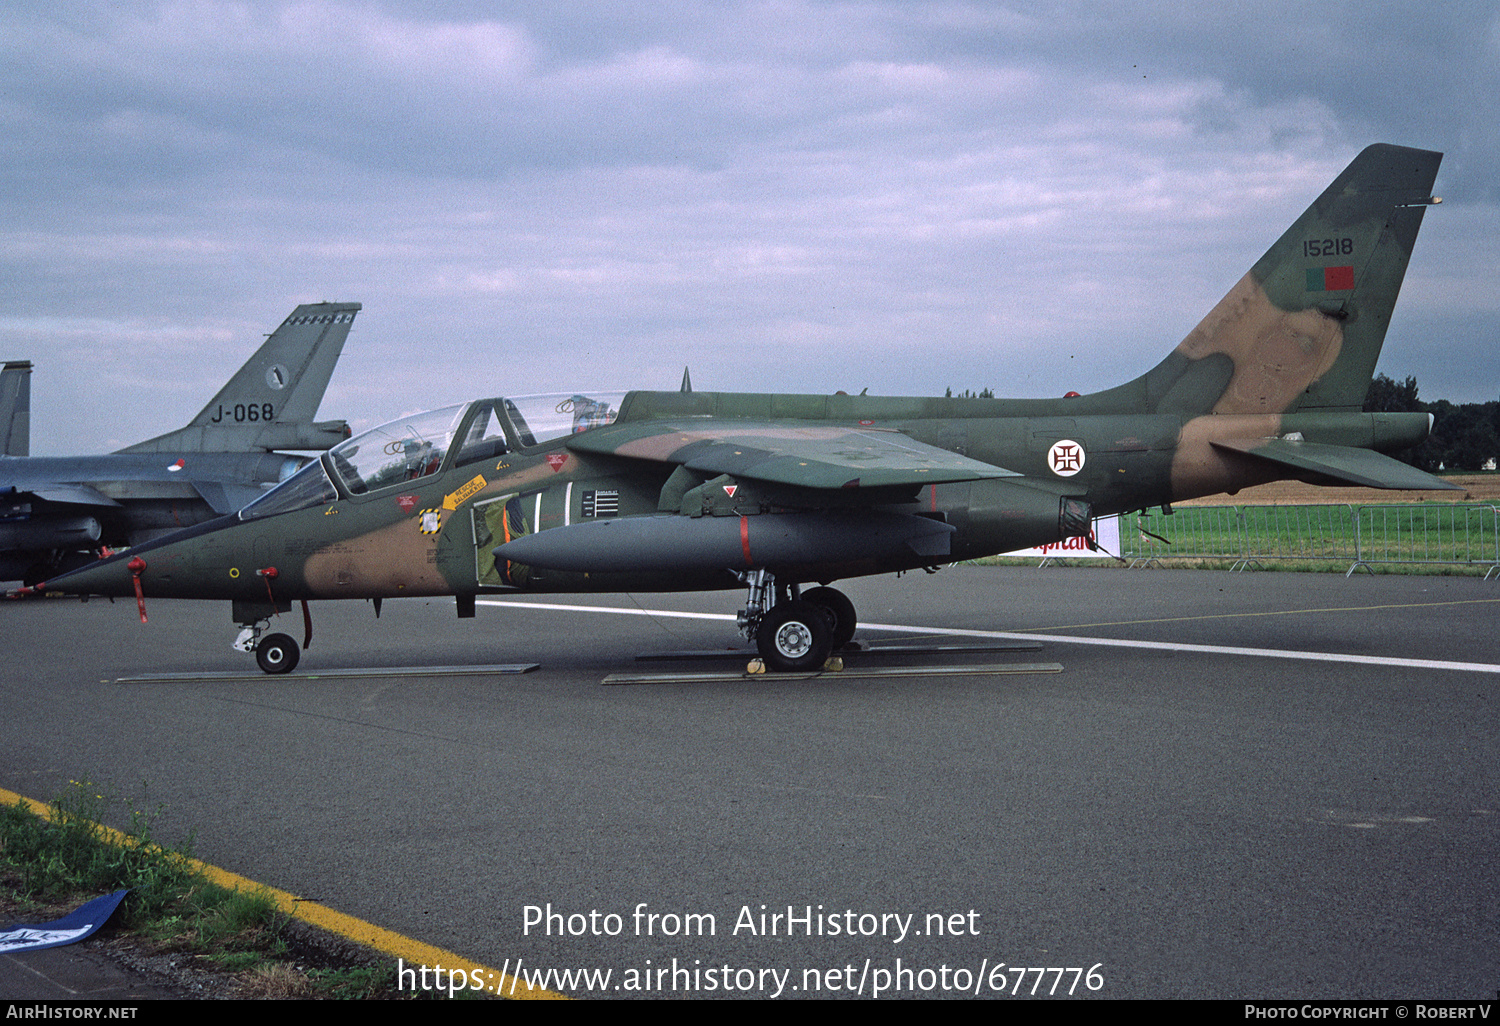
(788, 195)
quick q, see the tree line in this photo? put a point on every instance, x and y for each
(1465, 436)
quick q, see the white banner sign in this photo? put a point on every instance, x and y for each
(1106, 533)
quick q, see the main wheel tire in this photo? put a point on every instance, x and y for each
(277, 653)
(837, 605)
(795, 637)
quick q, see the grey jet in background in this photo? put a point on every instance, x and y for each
(58, 512)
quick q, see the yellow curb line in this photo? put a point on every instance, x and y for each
(357, 930)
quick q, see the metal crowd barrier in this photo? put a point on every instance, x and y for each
(1439, 533)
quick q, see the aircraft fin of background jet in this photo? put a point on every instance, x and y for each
(1340, 463)
(15, 408)
(270, 402)
(1302, 330)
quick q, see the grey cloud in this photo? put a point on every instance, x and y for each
(540, 196)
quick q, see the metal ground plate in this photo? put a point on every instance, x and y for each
(847, 673)
(354, 671)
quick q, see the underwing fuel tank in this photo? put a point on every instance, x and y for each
(676, 543)
(63, 532)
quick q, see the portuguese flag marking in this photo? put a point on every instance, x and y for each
(1330, 279)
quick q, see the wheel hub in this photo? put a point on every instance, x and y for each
(793, 639)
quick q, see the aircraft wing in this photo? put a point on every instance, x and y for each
(811, 456)
(221, 496)
(227, 496)
(1362, 467)
(72, 494)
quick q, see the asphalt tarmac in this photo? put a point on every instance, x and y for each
(1195, 806)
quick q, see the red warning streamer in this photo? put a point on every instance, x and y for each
(269, 574)
(137, 566)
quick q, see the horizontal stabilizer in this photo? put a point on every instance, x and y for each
(1341, 463)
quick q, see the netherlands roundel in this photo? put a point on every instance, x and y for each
(1065, 458)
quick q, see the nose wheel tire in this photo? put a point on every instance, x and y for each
(795, 636)
(277, 653)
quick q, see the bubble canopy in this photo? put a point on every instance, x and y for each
(415, 447)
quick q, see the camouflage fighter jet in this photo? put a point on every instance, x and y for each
(56, 512)
(676, 491)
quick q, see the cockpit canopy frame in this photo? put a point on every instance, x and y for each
(410, 449)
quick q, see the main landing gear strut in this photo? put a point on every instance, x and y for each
(794, 630)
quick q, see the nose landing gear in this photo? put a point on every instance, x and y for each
(277, 653)
(274, 653)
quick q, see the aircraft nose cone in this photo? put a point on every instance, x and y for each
(111, 577)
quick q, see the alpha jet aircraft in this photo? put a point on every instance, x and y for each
(55, 512)
(673, 491)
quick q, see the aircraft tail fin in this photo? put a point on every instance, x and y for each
(15, 408)
(1303, 329)
(270, 402)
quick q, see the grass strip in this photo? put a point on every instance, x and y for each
(57, 855)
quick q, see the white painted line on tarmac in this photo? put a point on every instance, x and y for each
(1235, 650)
(1070, 639)
(606, 609)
